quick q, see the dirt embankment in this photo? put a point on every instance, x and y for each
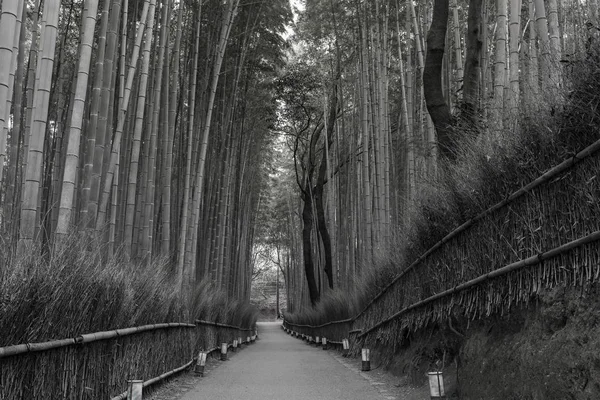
(548, 350)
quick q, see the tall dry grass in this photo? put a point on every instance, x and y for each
(76, 291)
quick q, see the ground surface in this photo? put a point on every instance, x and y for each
(278, 366)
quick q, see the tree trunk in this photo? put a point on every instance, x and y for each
(432, 79)
(474, 44)
(309, 268)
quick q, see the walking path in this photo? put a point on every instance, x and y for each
(280, 367)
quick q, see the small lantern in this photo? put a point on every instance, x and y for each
(436, 385)
(223, 351)
(324, 343)
(234, 347)
(366, 361)
(346, 347)
(317, 341)
(135, 389)
(199, 370)
(240, 342)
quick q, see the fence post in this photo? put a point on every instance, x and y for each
(135, 389)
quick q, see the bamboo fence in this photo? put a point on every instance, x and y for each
(98, 365)
(334, 331)
(543, 235)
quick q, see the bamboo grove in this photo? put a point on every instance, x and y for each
(373, 110)
(139, 126)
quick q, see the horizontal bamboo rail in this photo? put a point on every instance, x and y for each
(210, 323)
(328, 341)
(86, 338)
(534, 260)
(103, 335)
(159, 378)
(343, 321)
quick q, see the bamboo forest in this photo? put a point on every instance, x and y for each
(416, 177)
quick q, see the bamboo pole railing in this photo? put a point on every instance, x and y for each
(334, 336)
(104, 377)
(594, 237)
(86, 338)
(157, 379)
(210, 323)
(150, 382)
(322, 325)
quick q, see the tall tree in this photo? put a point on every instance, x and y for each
(432, 79)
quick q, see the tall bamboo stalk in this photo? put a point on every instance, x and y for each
(74, 135)
(29, 205)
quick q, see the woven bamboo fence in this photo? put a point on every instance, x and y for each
(544, 235)
(98, 365)
(334, 331)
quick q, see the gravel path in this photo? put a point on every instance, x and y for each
(280, 367)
